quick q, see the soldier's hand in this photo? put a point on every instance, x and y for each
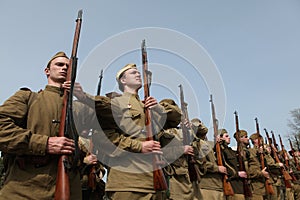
(150, 102)
(77, 90)
(222, 169)
(242, 174)
(188, 150)
(60, 145)
(90, 159)
(265, 173)
(151, 146)
(281, 164)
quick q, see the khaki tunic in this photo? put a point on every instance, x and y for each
(131, 171)
(180, 185)
(24, 142)
(255, 174)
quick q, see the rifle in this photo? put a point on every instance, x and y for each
(286, 176)
(100, 82)
(294, 156)
(67, 127)
(227, 188)
(240, 151)
(159, 179)
(268, 185)
(286, 157)
(194, 176)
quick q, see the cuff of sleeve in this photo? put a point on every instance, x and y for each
(136, 146)
(38, 144)
(89, 100)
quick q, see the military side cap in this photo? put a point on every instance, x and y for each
(169, 101)
(222, 131)
(125, 68)
(196, 122)
(241, 133)
(58, 54)
(254, 136)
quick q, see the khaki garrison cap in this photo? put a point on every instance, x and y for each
(58, 54)
(222, 131)
(125, 68)
(254, 136)
(241, 133)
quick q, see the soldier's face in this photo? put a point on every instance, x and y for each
(244, 139)
(132, 79)
(226, 138)
(57, 72)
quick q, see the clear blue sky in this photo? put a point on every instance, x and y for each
(254, 45)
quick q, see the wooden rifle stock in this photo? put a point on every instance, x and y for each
(227, 188)
(193, 170)
(286, 177)
(159, 179)
(240, 151)
(268, 185)
(62, 190)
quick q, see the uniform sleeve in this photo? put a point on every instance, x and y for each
(254, 169)
(14, 137)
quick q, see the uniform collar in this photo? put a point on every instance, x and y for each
(55, 89)
(127, 94)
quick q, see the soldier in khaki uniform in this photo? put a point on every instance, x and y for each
(210, 185)
(131, 171)
(256, 174)
(29, 124)
(180, 185)
(275, 173)
(231, 162)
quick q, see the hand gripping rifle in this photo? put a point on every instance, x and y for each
(227, 188)
(286, 177)
(67, 127)
(268, 185)
(159, 179)
(193, 170)
(240, 151)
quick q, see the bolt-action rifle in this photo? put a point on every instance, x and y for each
(240, 151)
(227, 188)
(159, 179)
(268, 185)
(286, 157)
(286, 176)
(193, 170)
(67, 127)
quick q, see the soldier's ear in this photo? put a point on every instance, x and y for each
(47, 71)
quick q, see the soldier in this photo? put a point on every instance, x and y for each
(257, 175)
(91, 170)
(275, 173)
(130, 175)
(29, 124)
(210, 186)
(232, 164)
(295, 172)
(180, 185)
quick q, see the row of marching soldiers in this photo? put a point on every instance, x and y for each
(193, 167)
(174, 162)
